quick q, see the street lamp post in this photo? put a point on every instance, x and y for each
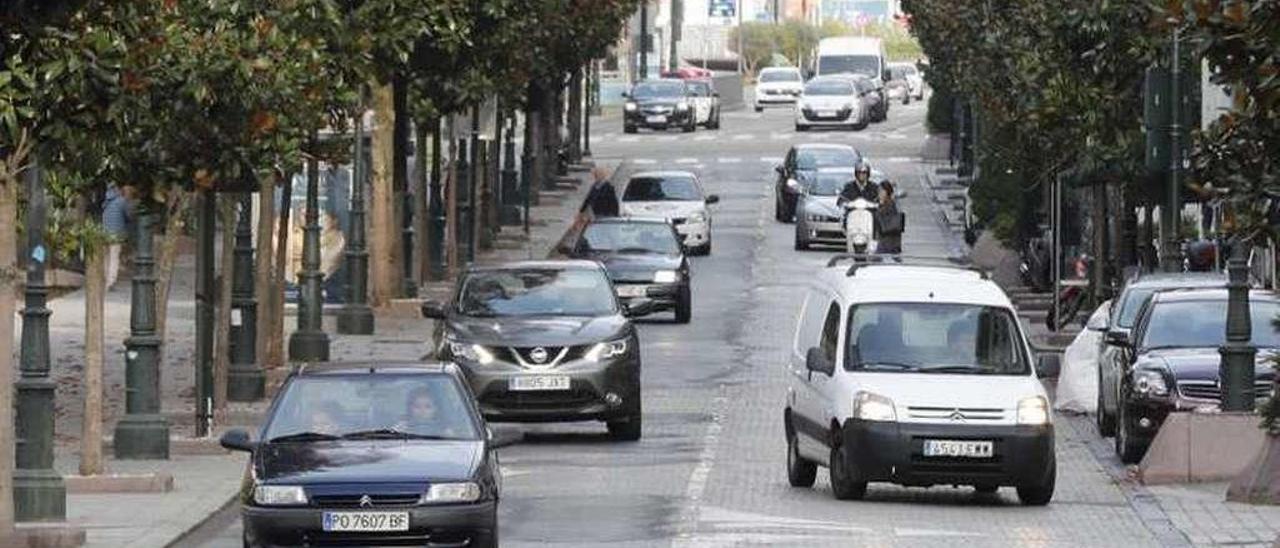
(586, 112)
(510, 182)
(143, 433)
(39, 494)
(246, 380)
(1171, 258)
(473, 184)
(437, 218)
(206, 215)
(309, 343)
(462, 231)
(356, 317)
(1235, 370)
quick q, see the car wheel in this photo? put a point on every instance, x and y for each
(1039, 495)
(1128, 448)
(759, 108)
(705, 249)
(1106, 421)
(800, 472)
(691, 126)
(986, 489)
(844, 482)
(627, 429)
(777, 208)
(628, 129)
(684, 306)
(800, 128)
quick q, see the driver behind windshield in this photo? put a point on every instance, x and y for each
(860, 187)
(422, 418)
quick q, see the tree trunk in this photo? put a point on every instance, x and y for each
(91, 428)
(222, 317)
(9, 275)
(174, 208)
(533, 144)
(451, 204)
(384, 274)
(275, 341)
(549, 138)
(263, 273)
(575, 116)
(422, 217)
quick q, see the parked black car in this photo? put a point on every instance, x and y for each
(1173, 360)
(1124, 312)
(645, 260)
(544, 341)
(660, 104)
(370, 453)
(800, 164)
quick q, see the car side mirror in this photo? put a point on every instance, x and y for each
(1118, 337)
(1098, 323)
(433, 310)
(237, 440)
(816, 360)
(626, 94)
(638, 308)
(713, 199)
(1048, 365)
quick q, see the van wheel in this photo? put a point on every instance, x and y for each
(1040, 495)
(800, 472)
(1129, 449)
(844, 483)
(1106, 421)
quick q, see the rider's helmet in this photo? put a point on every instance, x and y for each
(863, 172)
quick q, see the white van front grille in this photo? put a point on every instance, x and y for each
(955, 414)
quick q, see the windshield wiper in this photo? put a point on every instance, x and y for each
(632, 250)
(886, 365)
(956, 369)
(303, 436)
(389, 434)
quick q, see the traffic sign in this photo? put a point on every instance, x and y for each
(722, 8)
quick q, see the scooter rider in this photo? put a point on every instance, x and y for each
(860, 187)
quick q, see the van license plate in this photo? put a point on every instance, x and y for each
(366, 521)
(956, 448)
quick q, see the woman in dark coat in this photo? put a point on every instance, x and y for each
(890, 222)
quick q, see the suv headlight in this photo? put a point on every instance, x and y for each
(666, 277)
(1148, 382)
(607, 350)
(451, 493)
(279, 495)
(1033, 410)
(629, 107)
(868, 406)
(470, 352)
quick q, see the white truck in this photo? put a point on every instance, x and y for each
(856, 55)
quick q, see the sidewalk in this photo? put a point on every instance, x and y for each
(206, 478)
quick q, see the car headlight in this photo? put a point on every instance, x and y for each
(607, 350)
(817, 218)
(279, 495)
(1147, 382)
(629, 107)
(451, 493)
(471, 352)
(682, 106)
(698, 217)
(868, 406)
(1033, 410)
(666, 277)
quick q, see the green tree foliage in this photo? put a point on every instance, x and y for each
(758, 41)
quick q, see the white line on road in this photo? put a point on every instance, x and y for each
(629, 139)
(743, 137)
(687, 161)
(643, 161)
(771, 159)
(704, 137)
(729, 160)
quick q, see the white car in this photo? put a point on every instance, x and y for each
(673, 195)
(778, 86)
(914, 79)
(916, 374)
(832, 101)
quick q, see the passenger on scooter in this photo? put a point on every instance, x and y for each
(890, 222)
(860, 187)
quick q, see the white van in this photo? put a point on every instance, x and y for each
(852, 55)
(920, 375)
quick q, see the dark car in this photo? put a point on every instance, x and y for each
(544, 341)
(660, 104)
(645, 261)
(370, 453)
(1120, 320)
(1173, 360)
(800, 165)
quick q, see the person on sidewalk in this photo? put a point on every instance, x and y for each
(602, 199)
(115, 220)
(890, 222)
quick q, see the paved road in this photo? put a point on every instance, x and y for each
(710, 469)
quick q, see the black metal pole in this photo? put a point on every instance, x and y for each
(1236, 368)
(1171, 258)
(143, 433)
(356, 317)
(473, 184)
(400, 175)
(461, 228)
(39, 494)
(437, 227)
(511, 214)
(246, 380)
(644, 39)
(309, 343)
(206, 291)
(586, 112)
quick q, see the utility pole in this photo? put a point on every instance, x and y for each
(473, 184)
(677, 24)
(437, 222)
(206, 215)
(1171, 259)
(741, 55)
(309, 343)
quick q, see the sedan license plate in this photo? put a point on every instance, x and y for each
(656, 119)
(632, 290)
(956, 448)
(538, 383)
(826, 113)
(366, 521)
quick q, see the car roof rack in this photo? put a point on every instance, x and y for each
(860, 260)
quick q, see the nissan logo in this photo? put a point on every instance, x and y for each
(538, 355)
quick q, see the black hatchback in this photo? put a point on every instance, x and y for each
(370, 454)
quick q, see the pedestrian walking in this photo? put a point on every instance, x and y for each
(115, 220)
(890, 222)
(602, 200)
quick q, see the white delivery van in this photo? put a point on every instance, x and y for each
(852, 55)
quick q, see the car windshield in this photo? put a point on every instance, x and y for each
(855, 64)
(1203, 324)
(650, 90)
(813, 158)
(780, 76)
(898, 73)
(629, 238)
(659, 189)
(943, 338)
(536, 292)
(828, 184)
(828, 87)
(372, 406)
(701, 88)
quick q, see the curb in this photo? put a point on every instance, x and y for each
(181, 537)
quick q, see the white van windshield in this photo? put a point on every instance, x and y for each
(868, 65)
(942, 338)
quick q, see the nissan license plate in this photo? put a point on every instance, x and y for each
(656, 119)
(631, 290)
(533, 383)
(957, 448)
(366, 521)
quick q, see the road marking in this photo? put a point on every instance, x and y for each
(909, 532)
(704, 137)
(743, 137)
(668, 138)
(771, 159)
(643, 161)
(729, 160)
(687, 161)
(629, 139)
(688, 524)
(781, 136)
(897, 159)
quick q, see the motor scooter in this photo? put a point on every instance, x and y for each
(859, 226)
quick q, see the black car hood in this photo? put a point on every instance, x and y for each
(537, 330)
(380, 461)
(1202, 363)
(635, 267)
